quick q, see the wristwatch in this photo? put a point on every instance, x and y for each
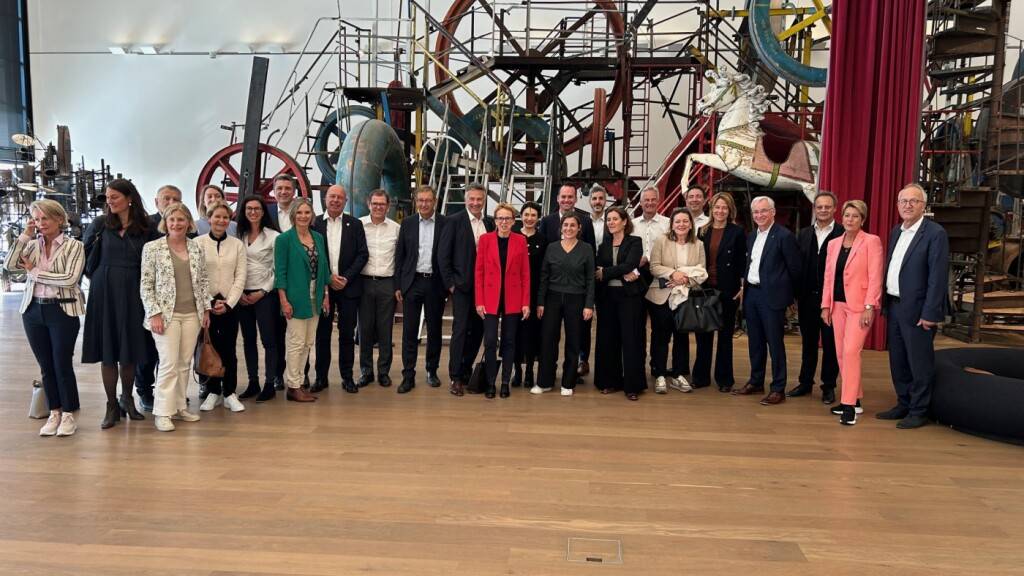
(869, 307)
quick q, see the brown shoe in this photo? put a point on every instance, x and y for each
(583, 369)
(456, 388)
(300, 395)
(773, 398)
(749, 390)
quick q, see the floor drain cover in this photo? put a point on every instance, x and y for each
(594, 551)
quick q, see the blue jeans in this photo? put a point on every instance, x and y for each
(52, 334)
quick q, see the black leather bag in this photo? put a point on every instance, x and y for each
(702, 311)
(92, 261)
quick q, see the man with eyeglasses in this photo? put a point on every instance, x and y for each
(914, 304)
(377, 307)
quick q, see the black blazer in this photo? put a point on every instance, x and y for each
(731, 259)
(780, 265)
(924, 274)
(407, 250)
(457, 255)
(354, 252)
(812, 263)
(551, 226)
(630, 252)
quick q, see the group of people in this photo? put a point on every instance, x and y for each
(516, 281)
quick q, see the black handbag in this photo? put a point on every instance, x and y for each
(701, 312)
(92, 260)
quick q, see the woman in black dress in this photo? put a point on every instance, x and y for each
(528, 336)
(114, 335)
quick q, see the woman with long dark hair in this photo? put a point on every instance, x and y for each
(114, 335)
(259, 306)
(528, 335)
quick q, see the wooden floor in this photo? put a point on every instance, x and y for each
(426, 483)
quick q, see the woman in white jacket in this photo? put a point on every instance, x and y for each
(226, 268)
(176, 298)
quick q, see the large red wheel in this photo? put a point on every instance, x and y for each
(223, 169)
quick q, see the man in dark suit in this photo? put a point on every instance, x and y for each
(813, 241)
(551, 227)
(773, 270)
(457, 257)
(915, 301)
(346, 255)
(419, 286)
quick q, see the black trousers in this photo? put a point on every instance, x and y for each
(528, 338)
(467, 334)
(52, 334)
(619, 354)
(561, 309)
(346, 311)
(264, 315)
(588, 325)
(509, 327)
(766, 327)
(224, 337)
(376, 321)
(723, 355)
(425, 298)
(145, 373)
(911, 361)
(663, 332)
(811, 328)
(282, 331)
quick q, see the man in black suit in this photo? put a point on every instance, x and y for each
(914, 302)
(551, 227)
(457, 257)
(419, 286)
(346, 255)
(813, 241)
(773, 270)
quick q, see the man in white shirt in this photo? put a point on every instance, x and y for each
(650, 226)
(813, 242)
(915, 301)
(284, 192)
(377, 306)
(696, 199)
(346, 256)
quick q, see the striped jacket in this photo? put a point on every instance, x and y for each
(65, 272)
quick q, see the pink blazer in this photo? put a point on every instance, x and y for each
(862, 277)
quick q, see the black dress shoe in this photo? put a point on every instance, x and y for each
(528, 379)
(278, 384)
(799, 390)
(305, 382)
(349, 386)
(146, 402)
(319, 386)
(253, 389)
(490, 393)
(384, 380)
(912, 421)
(504, 391)
(365, 380)
(267, 394)
(894, 413)
(406, 385)
(725, 388)
(127, 404)
(828, 396)
(432, 380)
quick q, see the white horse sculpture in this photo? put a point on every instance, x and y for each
(739, 146)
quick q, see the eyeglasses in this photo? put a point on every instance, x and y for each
(253, 209)
(909, 201)
(503, 218)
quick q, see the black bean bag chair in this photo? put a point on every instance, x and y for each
(980, 391)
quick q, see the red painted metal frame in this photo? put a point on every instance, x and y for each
(227, 161)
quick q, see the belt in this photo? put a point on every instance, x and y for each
(368, 277)
(424, 274)
(54, 300)
(749, 285)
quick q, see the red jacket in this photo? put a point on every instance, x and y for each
(488, 274)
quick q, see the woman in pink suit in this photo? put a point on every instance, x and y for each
(850, 300)
(502, 293)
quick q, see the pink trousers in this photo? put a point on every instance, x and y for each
(850, 336)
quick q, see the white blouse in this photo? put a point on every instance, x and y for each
(259, 273)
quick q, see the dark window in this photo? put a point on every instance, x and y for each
(15, 95)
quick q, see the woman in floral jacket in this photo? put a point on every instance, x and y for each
(176, 298)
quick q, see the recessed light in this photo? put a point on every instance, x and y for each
(119, 50)
(148, 50)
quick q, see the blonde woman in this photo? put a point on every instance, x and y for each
(176, 298)
(677, 264)
(50, 307)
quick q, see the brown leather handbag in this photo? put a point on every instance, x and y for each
(208, 362)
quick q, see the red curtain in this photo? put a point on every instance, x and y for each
(872, 109)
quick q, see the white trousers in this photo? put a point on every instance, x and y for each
(300, 338)
(176, 346)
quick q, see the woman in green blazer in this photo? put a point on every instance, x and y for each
(301, 274)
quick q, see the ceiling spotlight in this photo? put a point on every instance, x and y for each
(148, 50)
(119, 50)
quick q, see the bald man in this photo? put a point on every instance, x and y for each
(346, 256)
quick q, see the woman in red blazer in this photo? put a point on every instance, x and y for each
(850, 300)
(502, 292)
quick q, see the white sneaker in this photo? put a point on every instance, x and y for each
(660, 386)
(566, 391)
(52, 423)
(67, 424)
(233, 403)
(680, 383)
(186, 416)
(164, 424)
(211, 402)
(536, 390)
